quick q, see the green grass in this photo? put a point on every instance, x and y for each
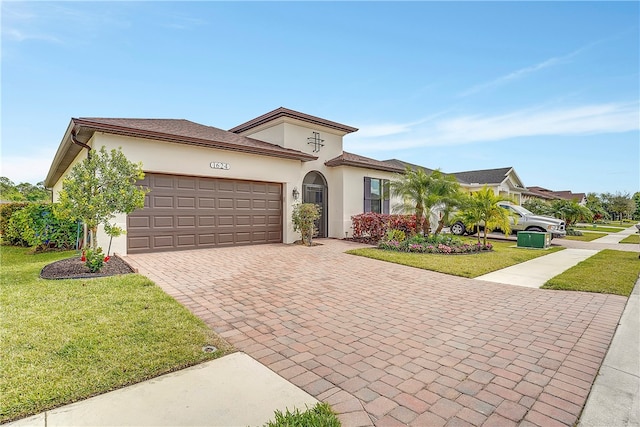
(618, 277)
(633, 238)
(320, 415)
(600, 228)
(67, 340)
(504, 254)
(586, 237)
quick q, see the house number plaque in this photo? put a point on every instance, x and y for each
(220, 165)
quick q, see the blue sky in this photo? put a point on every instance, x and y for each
(549, 88)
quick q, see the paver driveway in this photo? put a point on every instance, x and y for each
(386, 344)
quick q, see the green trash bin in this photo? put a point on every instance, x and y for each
(534, 239)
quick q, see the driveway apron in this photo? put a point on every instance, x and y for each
(386, 344)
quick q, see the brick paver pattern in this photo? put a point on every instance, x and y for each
(386, 344)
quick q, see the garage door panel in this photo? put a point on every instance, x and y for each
(225, 203)
(163, 221)
(140, 243)
(186, 221)
(160, 181)
(206, 221)
(163, 241)
(226, 186)
(161, 201)
(186, 202)
(274, 205)
(186, 183)
(184, 212)
(206, 203)
(141, 222)
(186, 240)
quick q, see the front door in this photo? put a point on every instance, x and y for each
(314, 190)
(316, 194)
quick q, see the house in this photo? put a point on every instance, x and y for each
(212, 187)
(546, 194)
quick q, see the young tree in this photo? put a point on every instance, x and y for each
(636, 199)
(595, 205)
(620, 205)
(482, 208)
(99, 187)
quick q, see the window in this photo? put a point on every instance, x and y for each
(376, 195)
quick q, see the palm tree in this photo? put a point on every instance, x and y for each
(425, 194)
(482, 207)
(411, 188)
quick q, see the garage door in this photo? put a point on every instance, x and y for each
(184, 212)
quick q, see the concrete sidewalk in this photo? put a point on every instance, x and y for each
(615, 395)
(616, 237)
(536, 272)
(234, 390)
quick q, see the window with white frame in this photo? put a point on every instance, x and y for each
(376, 195)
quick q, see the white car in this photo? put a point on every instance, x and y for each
(526, 221)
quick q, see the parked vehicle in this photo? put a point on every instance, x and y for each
(526, 221)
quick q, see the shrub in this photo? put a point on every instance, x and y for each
(95, 259)
(573, 232)
(6, 211)
(38, 226)
(374, 225)
(434, 244)
(304, 217)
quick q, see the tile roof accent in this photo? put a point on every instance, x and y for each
(285, 112)
(350, 159)
(403, 165)
(545, 193)
(485, 176)
(187, 132)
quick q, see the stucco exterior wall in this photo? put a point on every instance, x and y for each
(353, 193)
(180, 159)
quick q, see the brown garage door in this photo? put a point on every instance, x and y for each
(184, 212)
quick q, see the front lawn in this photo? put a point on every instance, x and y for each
(633, 238)
(504, 254)
(607, 272)
(600, 228)
(66, 340)
(586, 237)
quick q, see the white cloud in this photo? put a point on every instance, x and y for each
(522, 72)
(580, 120)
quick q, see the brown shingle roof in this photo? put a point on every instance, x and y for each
(285, 112)
(350, 159)
(485, 176)
(403, 165)
(187, 132)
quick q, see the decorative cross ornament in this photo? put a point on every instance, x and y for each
(316, 141)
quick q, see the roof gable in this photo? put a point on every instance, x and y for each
(484, 176)
(285, 112)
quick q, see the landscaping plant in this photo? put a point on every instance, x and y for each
(100, 186)
(481, 207)
(304, 217)
(37, 225)
(424, 193)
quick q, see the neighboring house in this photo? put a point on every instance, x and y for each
(503, 181)
(546, 194)
(212, 187)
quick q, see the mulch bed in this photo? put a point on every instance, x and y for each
(74, 268)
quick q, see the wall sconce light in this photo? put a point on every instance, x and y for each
(296, 193)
